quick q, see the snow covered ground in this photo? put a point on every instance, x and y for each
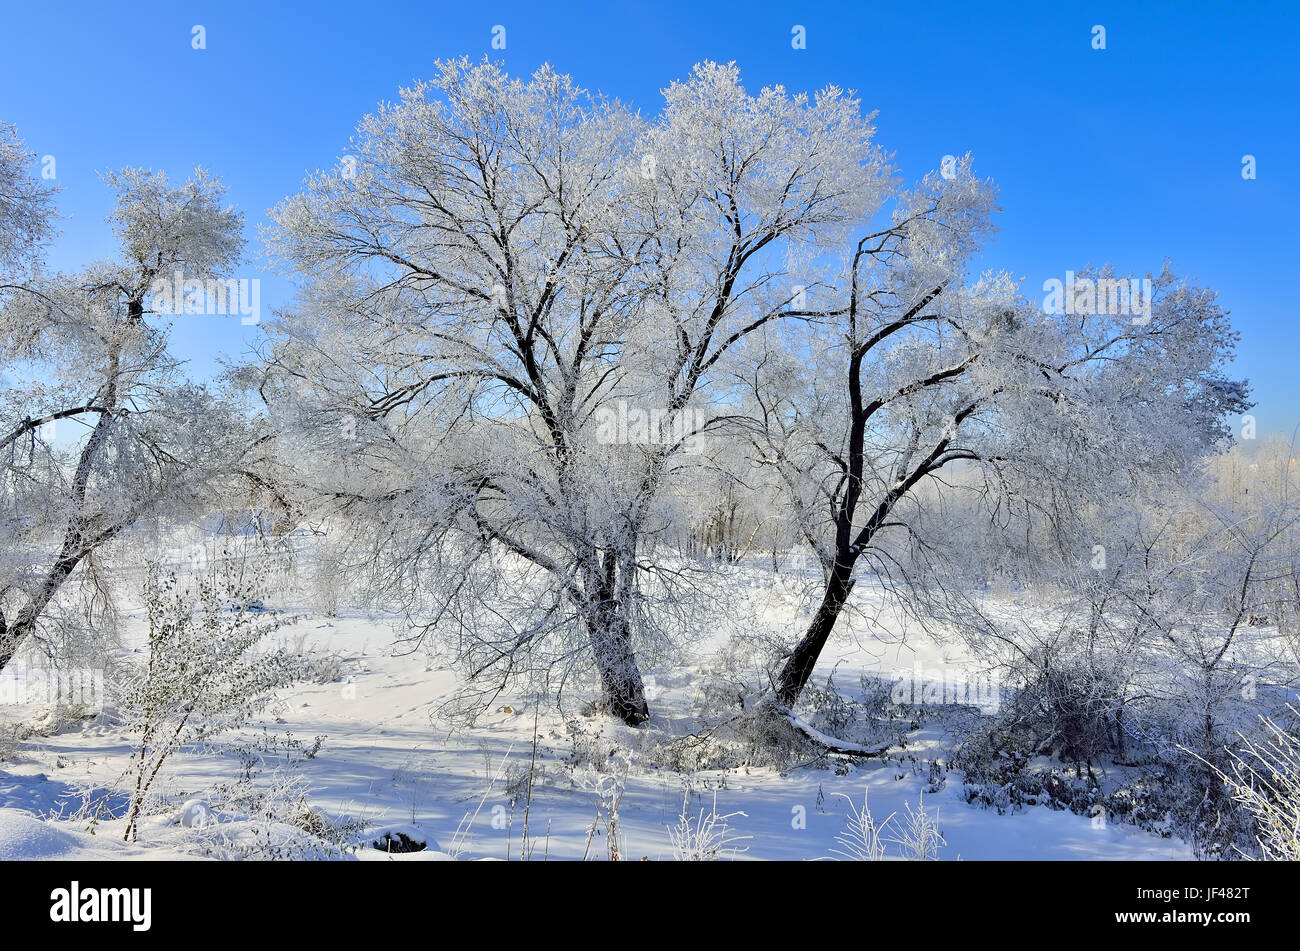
(386, 759)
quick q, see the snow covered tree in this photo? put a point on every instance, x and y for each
(26, 211)
(498, 268)
(925, 374)
(86, 355)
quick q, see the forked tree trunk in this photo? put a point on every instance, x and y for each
(849, 546)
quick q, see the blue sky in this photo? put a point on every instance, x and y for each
(1127, 155)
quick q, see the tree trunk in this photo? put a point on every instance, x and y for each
(11, 640)
(611, 638)
(798, 668)
(620, 678)
(74, 538)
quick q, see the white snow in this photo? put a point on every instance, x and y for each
(386, 762)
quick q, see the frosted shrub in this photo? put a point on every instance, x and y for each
(862, 839)
(202, 672)
(706, 836)
(919, 838)
(1265, 779)
(275, 822)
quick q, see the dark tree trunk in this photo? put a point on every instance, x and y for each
(11, 640)
(849, 545)
(611, 644)
(620, 678)
(799, 666)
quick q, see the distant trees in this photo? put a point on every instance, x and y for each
(1156, 631)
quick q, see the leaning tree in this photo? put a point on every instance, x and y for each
(100, 431)
(929, 382)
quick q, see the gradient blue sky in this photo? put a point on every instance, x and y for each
(1127, 155)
